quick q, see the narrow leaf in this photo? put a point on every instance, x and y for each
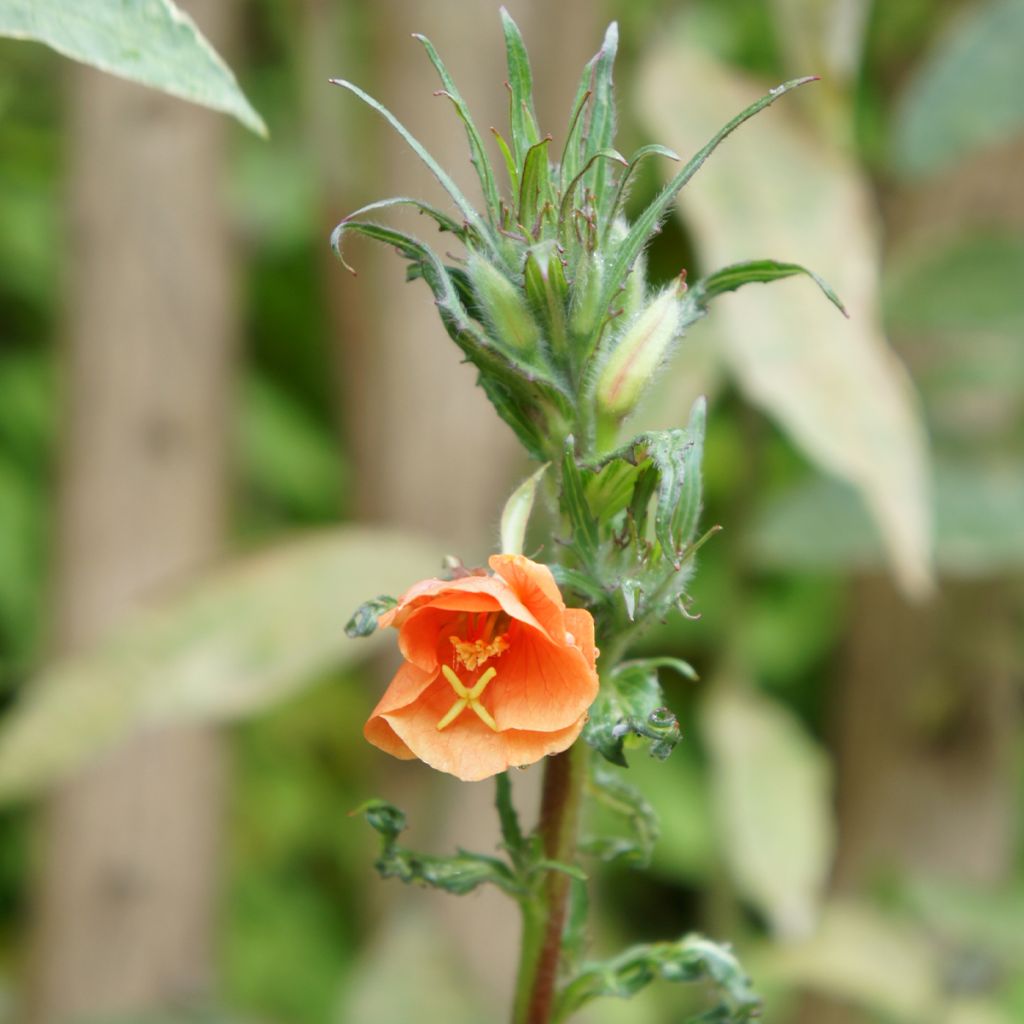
(154, 43)
(728, 279)
(598, 67)
(465, 207)
(647, 223)
(523, 120)
(478, 153)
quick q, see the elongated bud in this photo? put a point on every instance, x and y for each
(638, 354)
(505, 307)
(586, 314)
(546, 290)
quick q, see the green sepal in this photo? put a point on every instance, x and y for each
(579, 584)
(547, 291)
(364, 618)
(574, 504)
(631, 704)
(690, 959)
(535, 193)
(623, 824)
(478, 154)
(458, 874)
(728, 279)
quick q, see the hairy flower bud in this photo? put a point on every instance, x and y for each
(505, 307)
(546, 289)
(638, 353)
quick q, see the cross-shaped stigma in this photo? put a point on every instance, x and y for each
(468, 698)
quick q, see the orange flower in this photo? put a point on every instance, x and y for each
(498, 672)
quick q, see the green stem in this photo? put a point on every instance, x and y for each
(544, 911)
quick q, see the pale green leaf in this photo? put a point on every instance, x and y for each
(773, 803)
(516, 514)
(865, 957)
(148, 41)
(834, 385)
(968, 93)
(246, 637)
(979, 513)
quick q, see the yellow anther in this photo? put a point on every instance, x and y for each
(468, 698)
(471, 654)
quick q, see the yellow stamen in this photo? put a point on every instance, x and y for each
(471, 654)
(468, 698)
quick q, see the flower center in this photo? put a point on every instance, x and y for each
(478, 644)
(471, 654)
(469, 697)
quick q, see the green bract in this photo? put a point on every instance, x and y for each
(551, 301)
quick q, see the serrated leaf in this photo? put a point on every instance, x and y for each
(773, 799)
(623, 825)
(631, 704)
(833, 385)
(458, 874)
(966, 94)
(691, 959)
(154, 43)
(241, 640)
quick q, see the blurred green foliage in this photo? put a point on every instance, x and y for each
(772, 592)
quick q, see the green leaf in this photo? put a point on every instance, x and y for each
(458, 874)
(728, 279)
(654, 149)
(516, 514)
(478, 154)
(820, 524)
(631, 704)
(580, 144)
(623, 825)
(574, 504)
(968, 93)
(466, 208)
(774, 803)
(243, 639)
(834, 386)
(690, 959)
(646, 224)
(154, 43)
(522, 119)
(364, 619)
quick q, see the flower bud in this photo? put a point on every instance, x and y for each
(504, 307)
(586, 314)
(638, 353)
(546, 289)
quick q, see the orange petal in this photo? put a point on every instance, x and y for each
(535, 587)
(406, 686)
(467, 748)
(540, 684)
(579, 623)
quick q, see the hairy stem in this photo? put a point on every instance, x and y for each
(544, 914)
